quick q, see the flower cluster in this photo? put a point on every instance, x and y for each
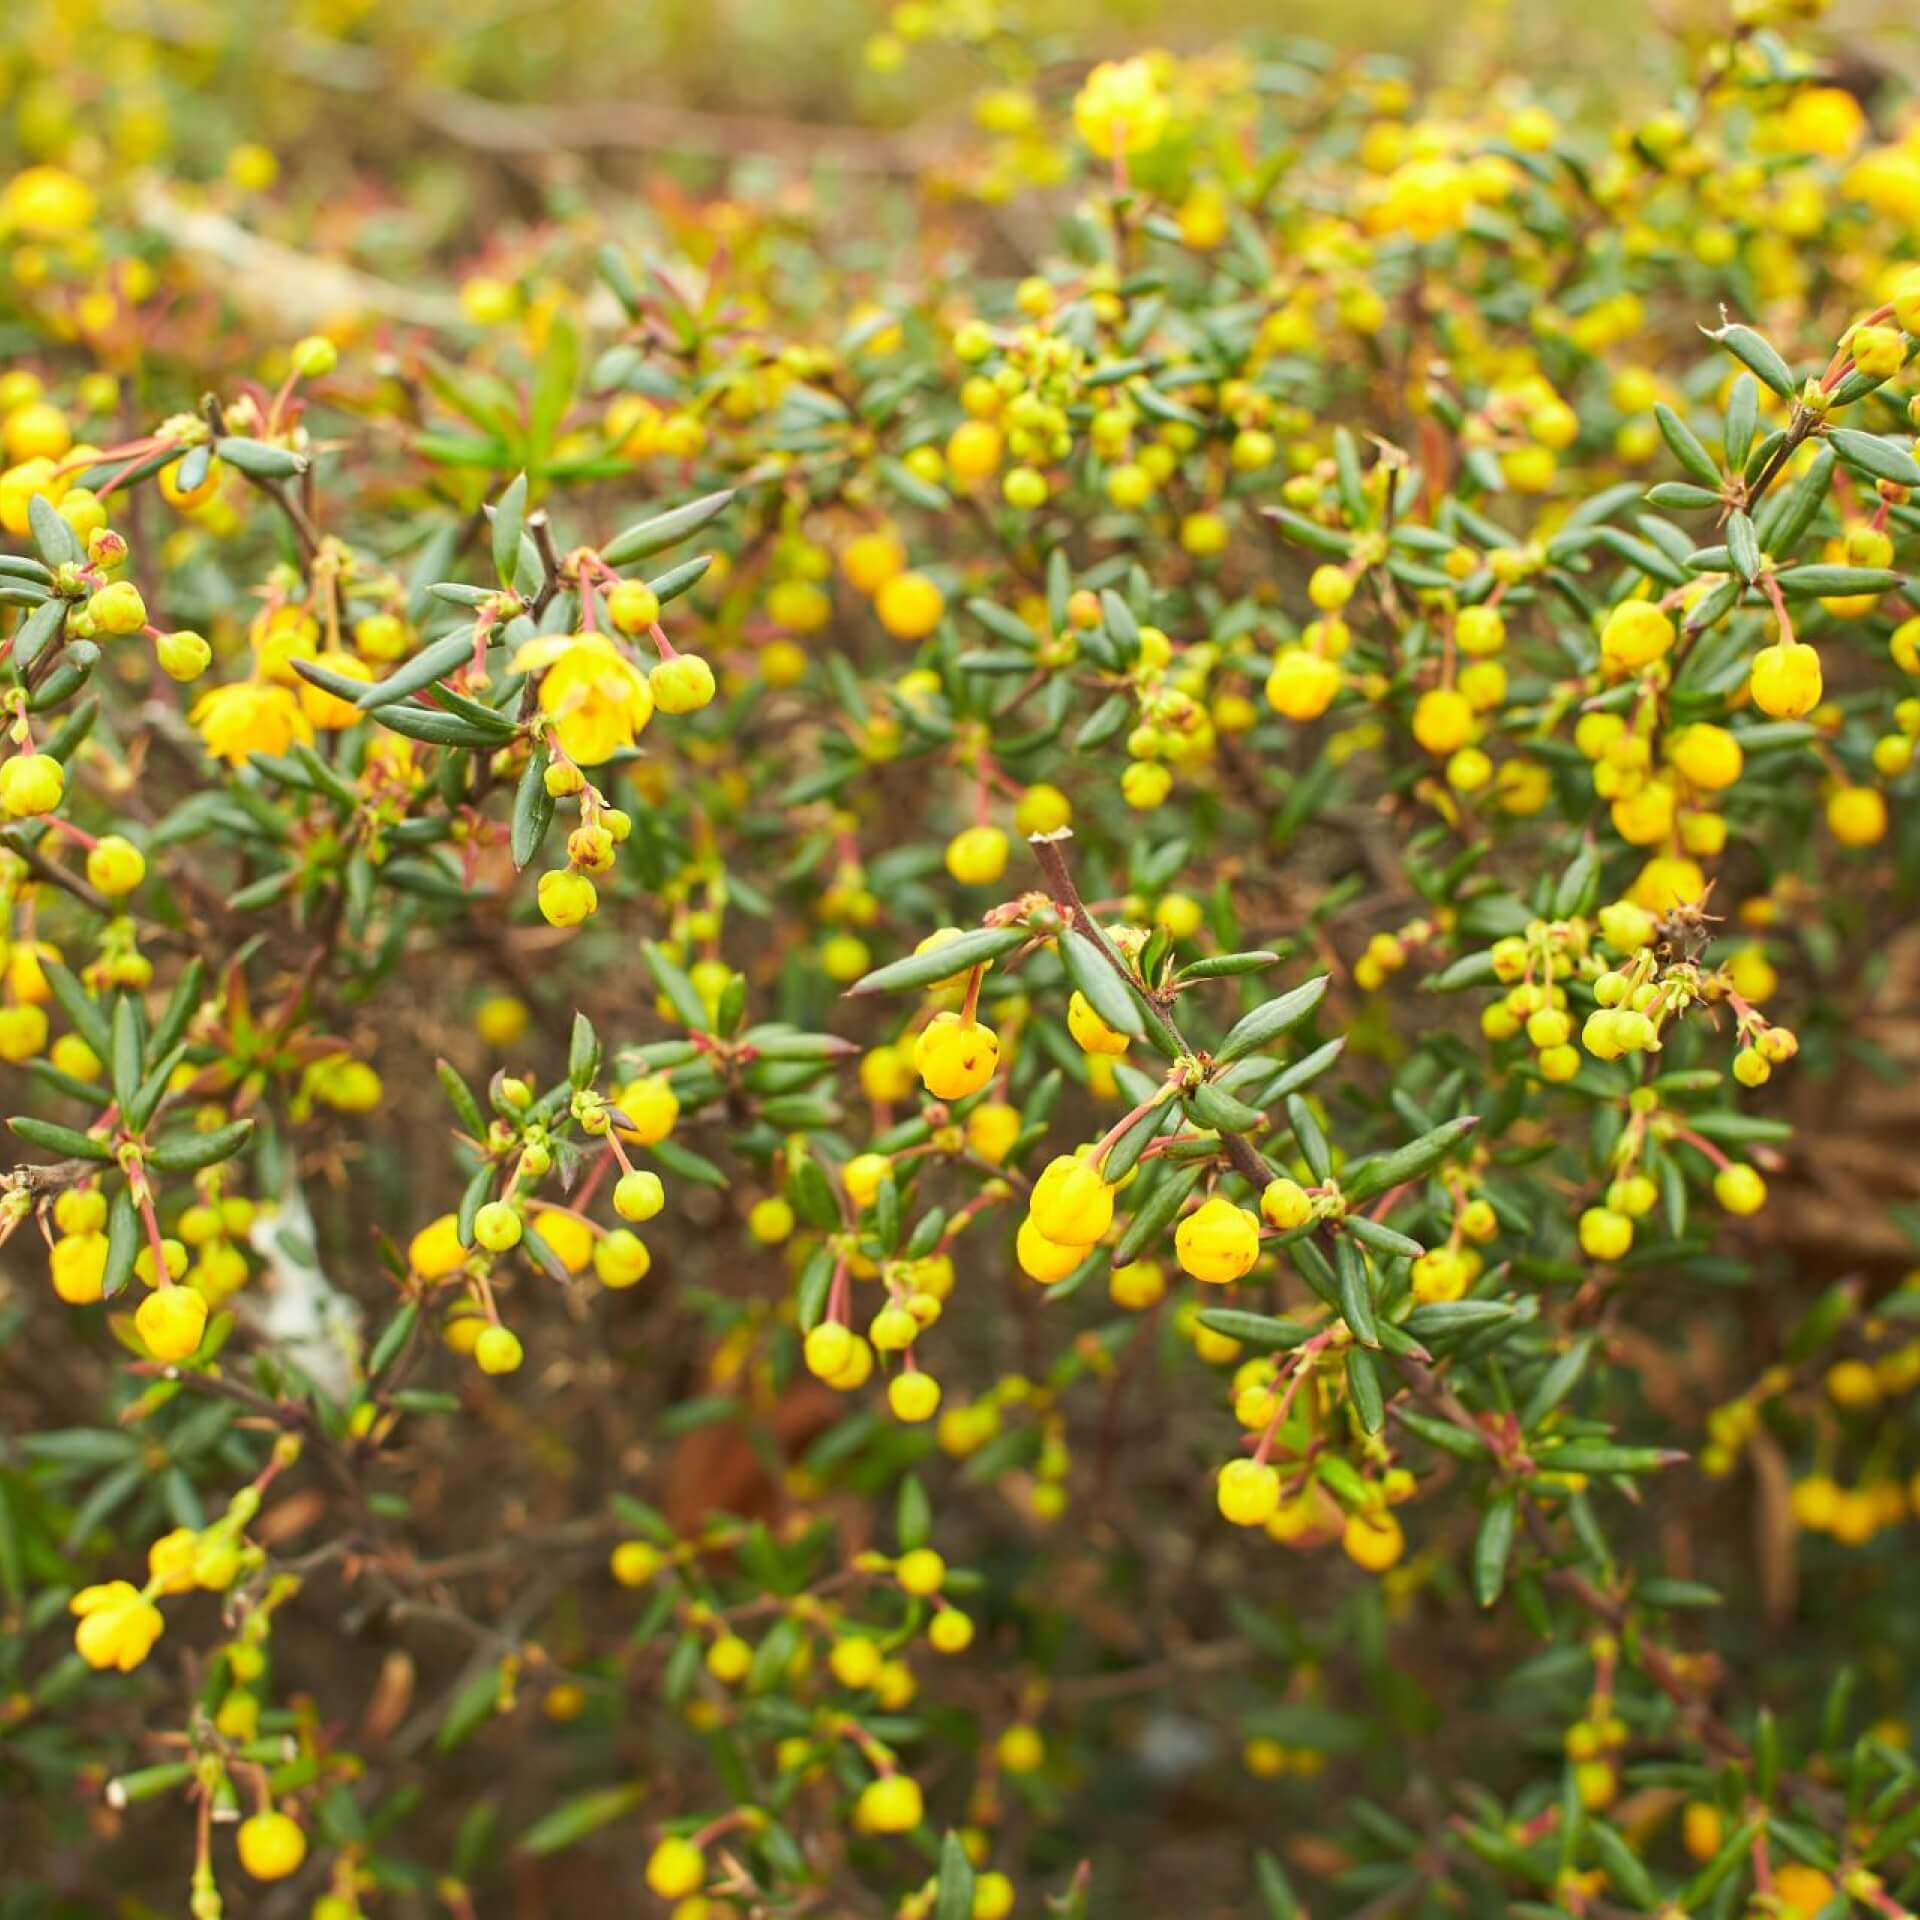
(784, 947)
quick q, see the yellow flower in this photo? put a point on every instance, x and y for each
(280, 636)
(1071, 1205)
(1887, 179)
(1121, 108)
(1090, 1031)
(650, 1107)
(568, 1235)
(118, 1625)
(326, 709)
(1826, 121)
(956, 1057)
(1426, 199)
(170, 1560)
(249, 717)
(1217, 1242)
(435, 1251)
(342, 1083)
(47, 202)
(596, 698)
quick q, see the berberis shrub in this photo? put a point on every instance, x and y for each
(937, 1075)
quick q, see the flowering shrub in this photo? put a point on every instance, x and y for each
(845, 1067)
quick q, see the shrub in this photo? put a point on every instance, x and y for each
(871, 1085)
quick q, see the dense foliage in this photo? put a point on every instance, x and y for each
(915, 1031)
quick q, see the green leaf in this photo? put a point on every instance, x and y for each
(1443, 1317)
(1786, 517)
(1356, 1295)
(1265, 1024)
(1308, 1068)
(678, 580)
(1580, 1458)
(940, 963)
(1312, 1142)
(1443, 1434)
(1681, 496)
(189, 1152)
(1309, 533)
(125, 1054)
(1363, 1383)
(1577, 886)
(1870, 454)
(1624, 1867)
(571, 1821)
(509, 519)
(532, 808)
(259, 461)
(393, 1337)
(153, 1089)
(1276, 1892)
(913, 1520)
(1834, 583)
(1223, 966)
(1756, 353)
(554, 382)
(59, 545)
(428, 665)
(687, 1164)
(816, 1282)
(1678, 1593)
(1743, 545)
(1109, 996)
(1106, 720)
(1118, 619)
(673, 982)
(37, 631)
(1382, 1239)
(924, 494)
(1733, 1854)
(664, 530)
(1212, 1106)
(1684, 447)
(1493, 1547)
(810, 1194)
(58, 1139)
(1004, 626)
(470, 1709)
(123, 1243)
(1264, 1332)
(583, 1053)
(1557, 1382)
(955, 1900)
(1743, 416)
(1410, 1162)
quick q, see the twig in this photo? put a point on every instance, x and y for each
(1047, 850)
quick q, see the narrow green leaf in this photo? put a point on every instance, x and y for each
(572, 1821)
(673, 982)
(664, 530)
(1684, 447)
(944, 962)
(189, 1152)
(1757, 354)
(58, 1139)
(441, 657)
(955, 1900)
(509, 518)
(1265, 1024)
(1493, 1547)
